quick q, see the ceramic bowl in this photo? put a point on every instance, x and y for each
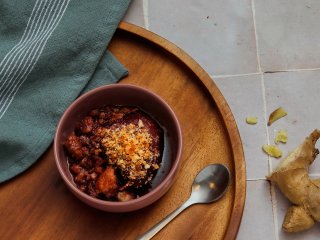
(127, 95)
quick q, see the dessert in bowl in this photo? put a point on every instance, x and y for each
(118, 147)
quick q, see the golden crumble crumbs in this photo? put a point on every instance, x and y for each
(129, 147)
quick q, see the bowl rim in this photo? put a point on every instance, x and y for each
(147, 196)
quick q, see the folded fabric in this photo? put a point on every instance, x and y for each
(50, 51)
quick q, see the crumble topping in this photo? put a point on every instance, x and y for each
(129, 147)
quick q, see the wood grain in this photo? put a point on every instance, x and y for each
(37, 204)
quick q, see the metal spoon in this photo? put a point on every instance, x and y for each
(209, 185)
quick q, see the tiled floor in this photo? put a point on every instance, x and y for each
(262, 54)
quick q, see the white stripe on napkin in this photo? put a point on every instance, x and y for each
(23, 38)
(37, 42)
(26, 43)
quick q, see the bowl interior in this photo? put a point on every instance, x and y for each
(128, 95)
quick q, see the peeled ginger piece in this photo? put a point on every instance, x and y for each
(272, 150)
(251, 120)
(281, 137)
(276, 114)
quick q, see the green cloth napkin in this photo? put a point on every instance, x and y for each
(50, 52)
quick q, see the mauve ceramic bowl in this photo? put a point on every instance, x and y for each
(129, 95)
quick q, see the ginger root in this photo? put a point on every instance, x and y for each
(291, 176)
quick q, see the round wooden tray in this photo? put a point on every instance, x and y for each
(37, 204)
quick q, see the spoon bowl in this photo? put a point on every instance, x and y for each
(209, 186)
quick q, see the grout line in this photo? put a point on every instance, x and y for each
(293, 70)
(263, 88)
(274, 210)
(233, 75)
(267, 72)
(256, 179)
(145, 7)
(314, 175)
(272, 189)
(255, 34)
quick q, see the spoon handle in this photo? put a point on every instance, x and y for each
(156, 228)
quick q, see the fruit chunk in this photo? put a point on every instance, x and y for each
(251, 120)
(276, 114)
(272, 150)
(108, 182)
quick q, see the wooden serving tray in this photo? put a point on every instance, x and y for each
(37, 204)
